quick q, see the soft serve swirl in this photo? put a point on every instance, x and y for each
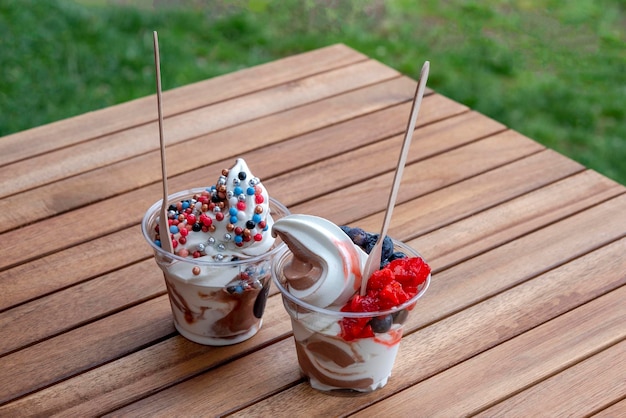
(326, 266)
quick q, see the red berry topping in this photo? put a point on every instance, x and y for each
(395, 284)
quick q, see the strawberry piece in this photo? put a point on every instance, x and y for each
(380, 279)
(395, 284)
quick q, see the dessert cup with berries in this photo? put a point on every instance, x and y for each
(344, 340)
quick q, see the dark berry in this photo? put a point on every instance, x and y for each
(381, 324)
(400, 316)
(250, 224)
(242, 175)
(171, 207)
(387, 248)
(357, 235)
(396, 255)
(197, 227)
(370, 241)
(261, 300)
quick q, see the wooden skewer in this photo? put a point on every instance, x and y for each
(164, 229)
(373, 260)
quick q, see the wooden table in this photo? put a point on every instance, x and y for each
(525, 315)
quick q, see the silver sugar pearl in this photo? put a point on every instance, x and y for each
(242, 197)
(211, 241)
(236, 181)
(201, 247)
(228, 236)
(219, 257)
(230, 194)
(221, 247)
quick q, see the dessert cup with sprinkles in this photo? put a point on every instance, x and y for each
(215, 300)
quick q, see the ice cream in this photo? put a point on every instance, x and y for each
(324, 274)
(218, 277)
(344, 340)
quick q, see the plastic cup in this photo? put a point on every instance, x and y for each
(220, 302)
(331, 363)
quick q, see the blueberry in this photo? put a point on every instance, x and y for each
(381, 323)
(399, 317)
(357, 235)
(370, 241)
(387, 248)
(396, 255)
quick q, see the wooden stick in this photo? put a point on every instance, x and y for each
(373, 260)
(164, 229)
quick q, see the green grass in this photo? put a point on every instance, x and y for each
(552, 70)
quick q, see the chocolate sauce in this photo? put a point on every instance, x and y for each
(310, 370)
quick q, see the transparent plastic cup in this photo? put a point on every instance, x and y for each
(330, 362)
(220, 302)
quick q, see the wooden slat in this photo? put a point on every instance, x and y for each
(380, 156)
(618, 409)
(525, 309)
(434, 349)
(65, 162)
(510, 264)
(80, 128)
(579, 390)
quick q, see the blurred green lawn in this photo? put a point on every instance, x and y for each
(550, 69)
